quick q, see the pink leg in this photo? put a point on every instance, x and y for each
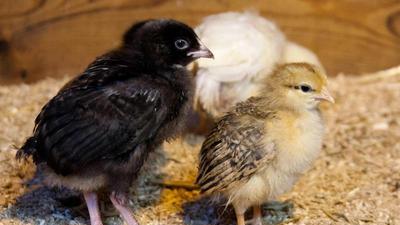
(119, 203)
(93, 207)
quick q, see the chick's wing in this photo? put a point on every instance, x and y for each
(233, 152)
(82, 126)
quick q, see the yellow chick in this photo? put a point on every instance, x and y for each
(247, 47)
(258, 150)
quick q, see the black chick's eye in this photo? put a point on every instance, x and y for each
(305, 88)
(181, 44)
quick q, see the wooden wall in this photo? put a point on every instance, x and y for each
(41, 38)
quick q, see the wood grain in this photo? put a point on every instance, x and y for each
(40, 38)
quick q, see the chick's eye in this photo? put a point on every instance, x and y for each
(305, 88)
(181, 44)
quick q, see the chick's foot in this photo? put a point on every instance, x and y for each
(120, 203)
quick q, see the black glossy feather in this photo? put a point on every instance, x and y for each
(123, 115)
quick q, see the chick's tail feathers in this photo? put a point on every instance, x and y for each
(28, 149)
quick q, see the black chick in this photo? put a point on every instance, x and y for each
(99, 129)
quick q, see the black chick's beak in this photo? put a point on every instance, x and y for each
(202, 52)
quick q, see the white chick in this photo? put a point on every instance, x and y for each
(293, 53)
(247, 48)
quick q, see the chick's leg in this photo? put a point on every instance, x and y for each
(93, 207)
(239, 214)
(119, 201)
(240, 219)
(257, 215)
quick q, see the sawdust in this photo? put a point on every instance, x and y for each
(355, 180)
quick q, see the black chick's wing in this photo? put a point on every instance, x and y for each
(82, 126)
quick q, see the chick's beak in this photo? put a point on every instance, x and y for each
(202, 52)
(325, 95)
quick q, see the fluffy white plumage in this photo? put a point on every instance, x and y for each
(246, 47)
(293, 52)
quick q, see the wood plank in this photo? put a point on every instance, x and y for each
(41, 38)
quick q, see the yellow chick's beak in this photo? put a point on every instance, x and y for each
(325, 95)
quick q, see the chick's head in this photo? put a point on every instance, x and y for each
(166, 41)
(300, 86)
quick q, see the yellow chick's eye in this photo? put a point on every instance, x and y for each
(306, 88)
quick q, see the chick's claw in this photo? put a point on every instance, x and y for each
(119, 201)
(120, 198)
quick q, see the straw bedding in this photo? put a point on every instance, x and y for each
(356, 179)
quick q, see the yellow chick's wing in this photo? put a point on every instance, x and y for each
(235, 149)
